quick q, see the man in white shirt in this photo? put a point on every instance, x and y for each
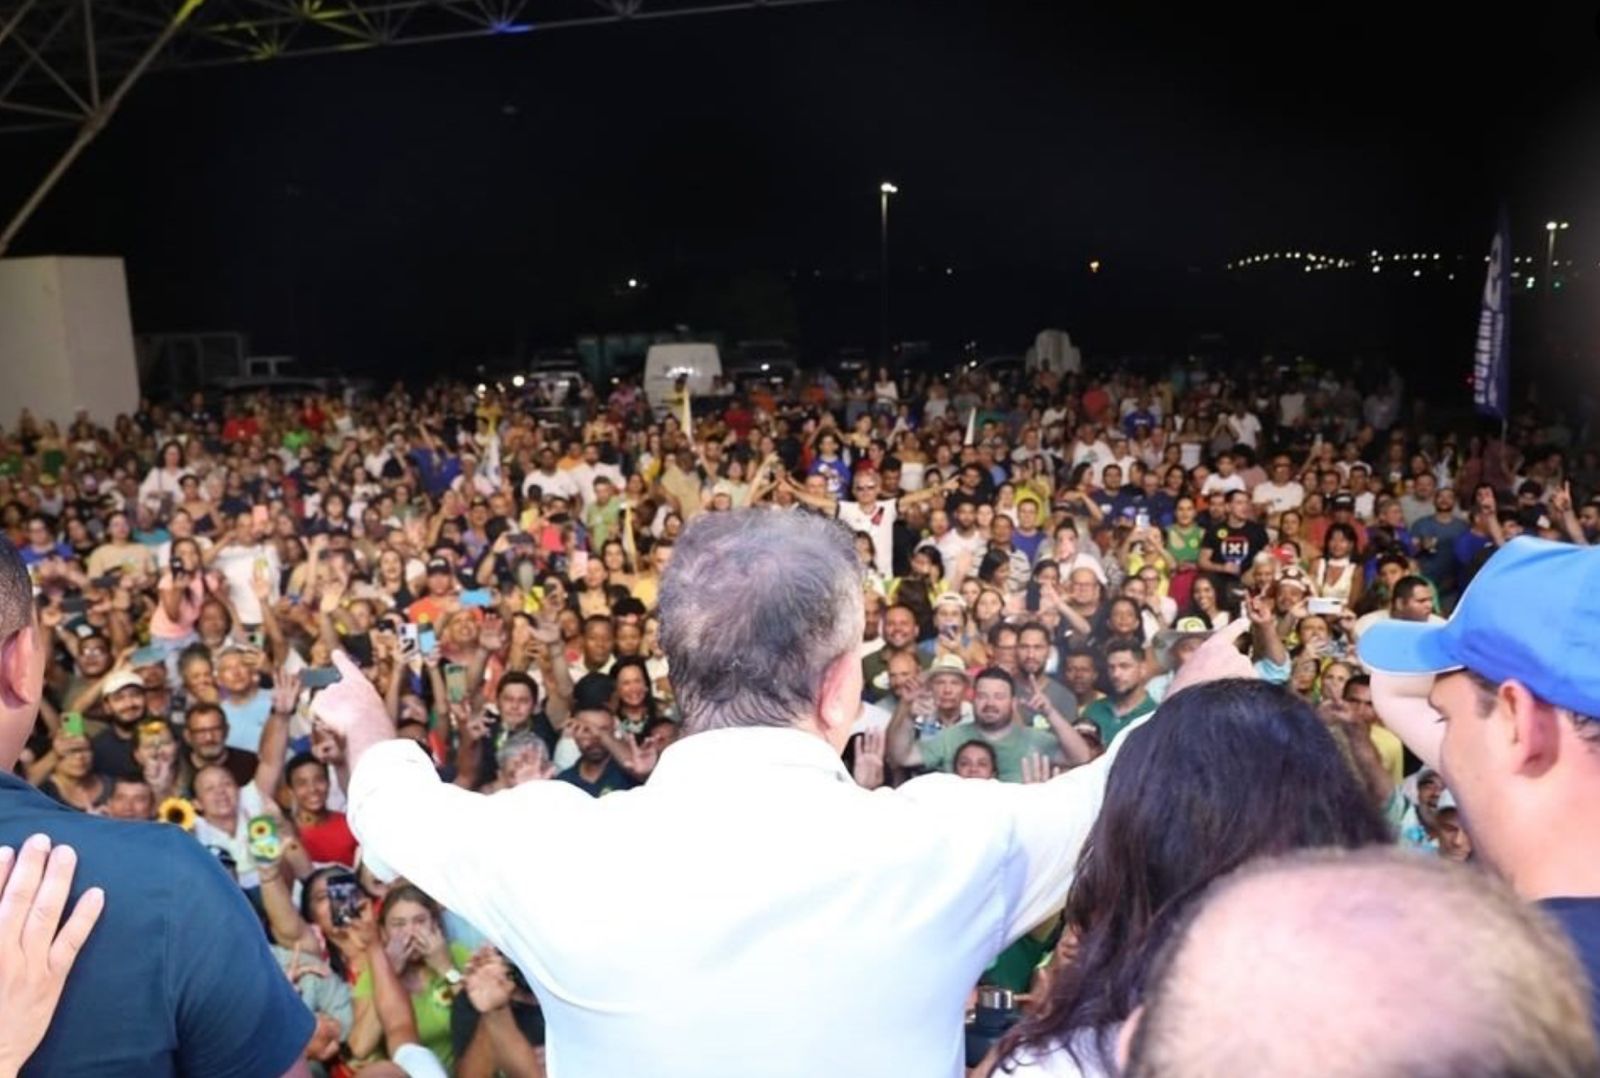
(551, 481)
(1282, 492)
(793, 894)
(243, 557)
(873, 515)
(1244, 425)
(1226, 479)
(963, 545)
(1088, 449)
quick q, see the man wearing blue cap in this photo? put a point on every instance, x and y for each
(1504, 699)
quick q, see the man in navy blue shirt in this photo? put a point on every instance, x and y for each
(177, 977)
(1515, 677)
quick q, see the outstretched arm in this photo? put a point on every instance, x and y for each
(445, 840)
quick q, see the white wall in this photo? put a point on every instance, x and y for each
(66, 339)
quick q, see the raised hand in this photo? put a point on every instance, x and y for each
(1258, 608)
(492, 634)
(488, 981)
(1036, 768)
(399, 950)
(639, 759)
(1215, 659)
(285, 692)
(868, 771)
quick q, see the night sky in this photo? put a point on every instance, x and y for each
(417, 206)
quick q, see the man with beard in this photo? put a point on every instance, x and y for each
(206, 732)
(123, 697)
(995, 720)
(899, 637)
(1033, 652)
(596, 773)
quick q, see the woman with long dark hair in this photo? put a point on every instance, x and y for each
(1244, 770)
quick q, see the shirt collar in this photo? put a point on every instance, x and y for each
(693, 759)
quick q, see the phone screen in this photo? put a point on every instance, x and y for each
(344, 900)
(455, 682)
(319, 677)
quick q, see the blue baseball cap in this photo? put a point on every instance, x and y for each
(1532, 614)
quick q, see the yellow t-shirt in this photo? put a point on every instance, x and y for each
(1390, 751)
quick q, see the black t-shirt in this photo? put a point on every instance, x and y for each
(1230, 544)
(1580, 918)
(113, 755)
(612, 780)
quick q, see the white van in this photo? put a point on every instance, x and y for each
(664, 364)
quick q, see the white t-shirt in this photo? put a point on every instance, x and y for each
(1217, 483)
(552, 484)
(238, 843)
(237, 564)
(1279, 498)
(1246, 429)
(952, 547)
(584, 475)
(1097, 454)
(481, 485)
(1367, 621)
(878, 523)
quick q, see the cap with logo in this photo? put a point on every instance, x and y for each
(1532, 614)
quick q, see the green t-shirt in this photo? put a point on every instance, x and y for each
(602, 522)
(1109, 723)
(939, 751)
(431, 1007)
(1184, 543)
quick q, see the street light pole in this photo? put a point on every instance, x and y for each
(885, 189)
(1551, 228)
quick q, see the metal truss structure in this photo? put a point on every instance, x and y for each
(69, 64)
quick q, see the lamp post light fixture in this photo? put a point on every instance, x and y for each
(1551, 228)
(885, 189)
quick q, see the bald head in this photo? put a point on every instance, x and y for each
(1378, 963)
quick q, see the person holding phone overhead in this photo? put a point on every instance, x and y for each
(226, 1009)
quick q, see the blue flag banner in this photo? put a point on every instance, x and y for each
(1491, 361)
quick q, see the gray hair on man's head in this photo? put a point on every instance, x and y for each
(518, 743)
(755, 606)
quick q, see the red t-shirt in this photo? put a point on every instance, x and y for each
(330, 842)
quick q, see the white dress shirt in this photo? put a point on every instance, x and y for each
(750, 910)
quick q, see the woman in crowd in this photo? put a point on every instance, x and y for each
(1336, 574)
(1246, 770)
(1203, 603)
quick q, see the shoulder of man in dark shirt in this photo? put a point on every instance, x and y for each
(1579, 918)
(177, 977)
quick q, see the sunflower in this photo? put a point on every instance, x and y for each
(178, 811)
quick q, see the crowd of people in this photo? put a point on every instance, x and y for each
(1045, 561)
